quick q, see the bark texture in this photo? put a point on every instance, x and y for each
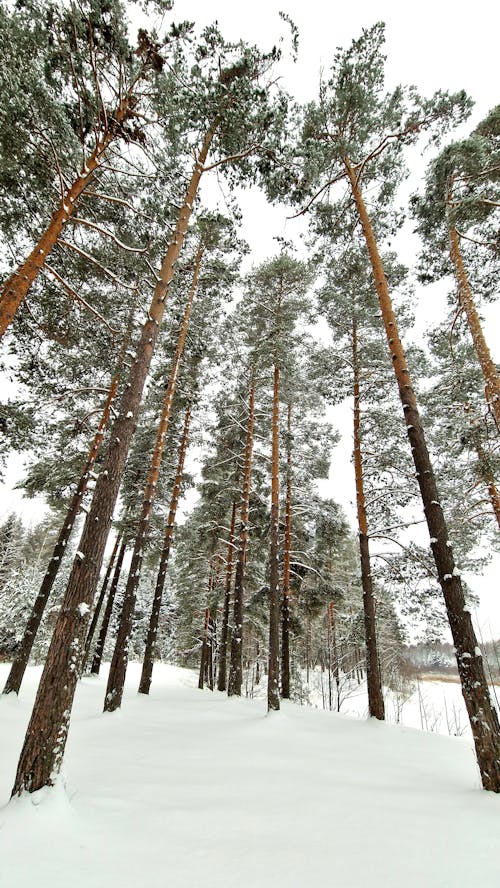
(273, 696)
(103, 632)
(21, 659)
(45, 741)
(236, 664)
(16, 287)
(286, 602)
(149, 653)
(483, 717)
(119, 662)
(373, 678)
(466, 301)
(100, 602)
(221, 676)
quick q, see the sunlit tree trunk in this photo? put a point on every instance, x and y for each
(483, 717)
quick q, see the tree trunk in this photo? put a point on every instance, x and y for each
(483, 718)
(373, 678)
(101, 641)
(119, 662)
(236, 664)
(204, 646)
(221, 678)
(149, 653)
(285, 610)
(466, 301)
(332, 627)
(43, 749)
(16, 287)
(21, 659)
(273, 697)
(100, 602)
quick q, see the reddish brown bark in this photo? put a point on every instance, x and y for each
(119, 662)
(287, 545)
(100, 602)
(236, 663)
(103, 632)
(147, 666)
(273, 697)
(46, 736)
(21, 659)
(483, 717)
(221, 676)
(466, 301)
(18, 284)
(373, 678)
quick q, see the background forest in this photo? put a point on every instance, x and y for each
(150, 353)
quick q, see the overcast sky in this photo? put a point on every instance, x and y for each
(430, 44)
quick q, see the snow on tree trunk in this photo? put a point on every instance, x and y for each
(221, 677)
(483, 717)
(101, 641)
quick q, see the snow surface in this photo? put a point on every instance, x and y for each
(187, 789)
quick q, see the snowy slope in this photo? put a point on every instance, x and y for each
(187, 789)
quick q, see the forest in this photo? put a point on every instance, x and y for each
(174, 401)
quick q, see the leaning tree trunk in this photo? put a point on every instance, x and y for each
(103, 632)
(16, 287)
(100, 602)
(236, 663)
(119, 662)
(21, 659)
(221, 677)
(373, 677)
(285, 605)
(273, 696)
(466, 301)
(483, 717)
(45, 741)
(147, 666)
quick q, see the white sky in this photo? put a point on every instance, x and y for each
(430, 44)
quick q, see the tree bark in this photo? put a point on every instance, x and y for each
(43, 748)
(101, 641)
(273, 697)
(466, 301)
(21, 659)
(221, 677)
(332, 627)
(147, 666)
(204, 646)
(483, 717)
(16, 287)
(236, 663)
(285, 607)
(119, 662)
(373, 678)
(100, 602)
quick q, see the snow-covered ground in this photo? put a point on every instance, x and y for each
(187, 789)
